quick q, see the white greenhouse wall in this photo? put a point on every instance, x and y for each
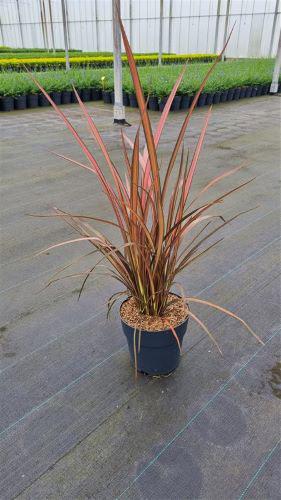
(189, 26)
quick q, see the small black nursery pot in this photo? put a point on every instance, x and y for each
(32, 100)
(112, 97)
(7, 103)
(236, 95)
(153, 103)
(133, 101)
(106, 95)
(95, 94)
(216, 97)
(126, 101)
(176, 103)
(224, 96)
(20, 102)
(157, 353)
(73, 96)
(202, 100)
(254, 91)
(265, 89)
(162, 103)
(43, 101)
(243, 92)
(230, 94)
(66, 97)
(259, 90)
(248, 92)
(56, 96)
(209, 98)
(86, 95)
(185, 101)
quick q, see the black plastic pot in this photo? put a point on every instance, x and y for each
(224, 96)
(216, 97)
(66, 97)
(56, 96)
(73, 96)
(248, 91)
(7, 103)
(265, 89)
(159, 352)
(126, 101)
(96, 94)
(86, 95)
(133, 101)
(236, 95)
(230, 94)
(176, 103)
(106, 95)
(153, 103)
(259, 90)
(202, 100)
(20, 102)
(209, 98)
(43, 101)
(254, 91)
(185, 101)
(32, 100)
(162, 103)
(243, 92)
(112, 97)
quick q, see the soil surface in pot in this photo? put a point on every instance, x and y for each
(175, 314)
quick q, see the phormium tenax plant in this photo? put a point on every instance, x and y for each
(156, 222)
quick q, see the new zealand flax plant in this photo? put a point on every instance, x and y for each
(154, 218)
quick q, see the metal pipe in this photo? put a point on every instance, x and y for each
(118, 109)
(170, 25)
(67, 64)
(20, 23)
(276, 71)
(217, 26)
(273, 28)
(226, 26)
(52, 27)
(160, 34)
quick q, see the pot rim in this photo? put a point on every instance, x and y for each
(151, 331)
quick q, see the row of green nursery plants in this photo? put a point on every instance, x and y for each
(61, 53)
(232, 80)
(84, 61)
(4, 49)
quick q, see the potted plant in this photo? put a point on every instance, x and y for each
(32, 100)
(153, 216)
(106, 94)
(6, 102)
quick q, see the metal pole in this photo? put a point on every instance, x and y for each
(52, 27)
(217, 26)
(118, 109)
(97, 26)
(160, 33)
(273, 28)
(20, 24)
(2, 33)
(226, 26)
(276, 71)
(67, 64)
(170, 25)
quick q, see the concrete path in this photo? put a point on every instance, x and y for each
(73, 421)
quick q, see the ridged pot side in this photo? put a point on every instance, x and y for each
(154, 352)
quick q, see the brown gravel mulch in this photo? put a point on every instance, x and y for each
(175, 314)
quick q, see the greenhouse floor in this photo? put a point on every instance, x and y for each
(74, 422)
